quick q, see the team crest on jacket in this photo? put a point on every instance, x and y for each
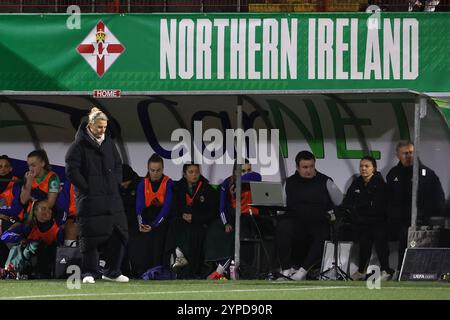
(100, 48)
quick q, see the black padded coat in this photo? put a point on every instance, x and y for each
(96, 172)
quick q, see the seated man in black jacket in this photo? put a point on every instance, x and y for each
(310, 196)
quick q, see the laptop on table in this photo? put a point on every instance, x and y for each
(267, 195)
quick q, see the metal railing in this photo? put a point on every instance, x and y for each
(130, 6)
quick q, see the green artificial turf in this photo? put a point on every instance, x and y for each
(224, 290)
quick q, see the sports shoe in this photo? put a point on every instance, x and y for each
(287, 273)
(216, 276)
(2, 273)
(292, 271)
(10, 272)
(358, 276)
(180, 262)
(120, 278)
(300, 275)
(385, 276)
(88, 279)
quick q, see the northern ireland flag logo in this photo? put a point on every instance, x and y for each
(100, 48)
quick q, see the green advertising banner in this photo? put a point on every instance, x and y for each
(181, 53)
(444, 108)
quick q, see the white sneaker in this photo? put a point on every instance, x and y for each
(180, 262)
(120, 278)
(358, 276)
(88, 279)
(292, 271)
(385, 276)
(300, 275)
(287, 273)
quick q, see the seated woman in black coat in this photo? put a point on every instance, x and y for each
(367, 200)
(195, 204)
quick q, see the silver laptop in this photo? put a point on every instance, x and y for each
(267, 194)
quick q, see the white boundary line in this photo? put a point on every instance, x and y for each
(201, 291)
(168, 292)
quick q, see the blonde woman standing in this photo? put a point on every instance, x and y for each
(94, 167)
